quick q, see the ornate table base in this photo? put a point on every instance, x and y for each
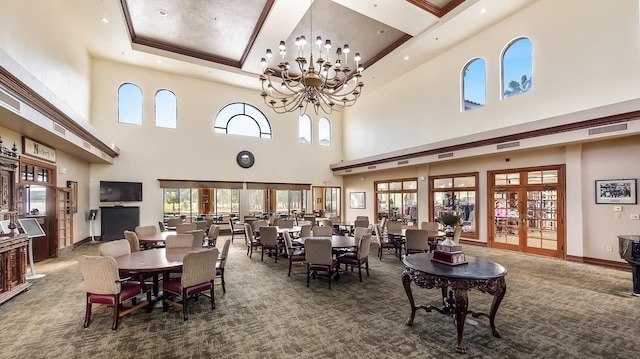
(455, 302)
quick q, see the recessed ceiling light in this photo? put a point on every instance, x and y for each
(483, 10)
(159, 61)
(163, 12)
(406, 57)
(105, 20)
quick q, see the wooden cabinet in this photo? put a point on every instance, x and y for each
(115, 220)
(13, 266)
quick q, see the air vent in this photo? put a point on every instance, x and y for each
(502, 146)
(59, 129)
(607, 129)
(445, 155)
(371, 167)
(405, 162)
(86, 145)
(347, 171)
(10, 101)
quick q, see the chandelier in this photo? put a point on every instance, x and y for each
(332, 85)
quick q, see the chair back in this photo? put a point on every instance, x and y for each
(214, 231)
(378, 233)
(394, 226)
(116, 248)
(224, 253)
(134, 242)
(146, 231)
(364, 246)
(326, 223)
(362, 218)
(99, 274)
(172, 222)
(184, 227)
(288, 243)
(305, 230)
(269, 235)
(456, 234)
(318, 251)
(198, 237)
(201, 225)
(259, 223)
(323, 231)
(432, 227)
(208, 221)
(199, 267)
(248, 231)
(310, 218)
(183, 240)
(286, 223)
(335, 220)
(360, 231)
(417, 239)
(161, 226)
(383, 224)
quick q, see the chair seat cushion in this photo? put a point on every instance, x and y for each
(128, 290)
(174, 286)
(298, 257)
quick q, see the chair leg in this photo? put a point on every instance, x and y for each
(116, 312)
(289, 267)
(360, 271)
(308, 274)
(165, 306)
(87, 316)
(213, 300)
(224, 289)
(380, 252)
(367, 267)
(184, 304)
(262, 255)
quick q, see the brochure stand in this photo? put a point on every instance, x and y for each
(32, 229)
(91, 217)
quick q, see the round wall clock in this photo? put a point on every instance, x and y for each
(245, 159)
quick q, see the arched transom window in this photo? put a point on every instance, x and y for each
(240, 118)
(517, 69)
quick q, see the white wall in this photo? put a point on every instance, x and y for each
(585, 55)
(32, 34)
(194, 151)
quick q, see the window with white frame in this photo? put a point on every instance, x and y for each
(324, 132)
(517, 68)
(304, 129)
(166, 109)
(242, 119)
(474, 84)
(130, 104)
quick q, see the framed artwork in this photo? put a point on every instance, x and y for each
(357, 200)
(616, 191)
(73, 196)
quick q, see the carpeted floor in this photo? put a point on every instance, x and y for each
(552, 309)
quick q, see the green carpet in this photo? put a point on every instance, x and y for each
(552, 309)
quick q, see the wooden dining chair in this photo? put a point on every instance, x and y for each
(235, 229)
(104, 286)
(294, 255)
(183, 227)
(359, 257)
(322, 231)
(115, 248)
(198, 275)
(270, 242)
(250, 240)
(221, 262)
(173, 222)
(383, 242)
(417, 241)
(134, 242)
(198, 237)
(212, 235)
(184, 240)
(161, 226)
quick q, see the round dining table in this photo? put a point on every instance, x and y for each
(154, 260)
(336, 241)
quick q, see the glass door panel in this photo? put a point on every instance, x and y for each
(542, 219)
(507, 219)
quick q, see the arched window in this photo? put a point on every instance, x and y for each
(324, 132)
(242, 119)
(304, 129)
(130, 104)
(474, 84)
(166, 109)
(517, 69)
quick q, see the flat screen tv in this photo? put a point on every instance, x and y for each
(120, 191)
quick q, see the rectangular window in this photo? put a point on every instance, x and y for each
(457, 194)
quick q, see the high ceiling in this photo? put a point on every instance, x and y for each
(224, 40)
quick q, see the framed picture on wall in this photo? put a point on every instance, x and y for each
(357, 200)
(616, 191)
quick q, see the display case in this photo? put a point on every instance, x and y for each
(13, 246)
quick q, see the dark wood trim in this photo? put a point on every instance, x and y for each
(607, 120)
(474, 243)
(263, 17)
(174, 183)
(435, 10)
(600, 262)
(279, 186)
(24, 93)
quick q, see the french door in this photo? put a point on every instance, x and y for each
(527, 210)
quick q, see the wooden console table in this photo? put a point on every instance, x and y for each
(481, 274)
(13, 266)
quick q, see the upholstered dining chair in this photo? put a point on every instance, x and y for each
(198, 237)
(359, 257)
(286, 223)
(305, 230)
(257, 224)
(322, 231)
(212, 235)
(183, 227)
(432, 227)
(161, 226)
(457, 233)
(326, 223)
(270, 242)
(383, 242)
(103, 286)
(198, 275)
(222, 261)
(146, 231)
(132, 238)
(235, 229)
(294, 255)
(184, 240)
(320, 260)
(201, 225)
(115, 248)
(173, 222)
(417, 241)
(251, 241)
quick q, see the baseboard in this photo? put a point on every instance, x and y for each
(600, 262)
(473, 243)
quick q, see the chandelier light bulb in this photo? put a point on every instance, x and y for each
(263, 62)
(356, 57)
(269, 54)
(327, 44)
(282, 46)
(319, 41)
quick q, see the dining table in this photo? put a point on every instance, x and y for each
(158, 238)
(337, 241)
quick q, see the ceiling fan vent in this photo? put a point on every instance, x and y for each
(86, 145)
(371, 167)
(445, 155)
(405, 162)
(502, 146)
(9, 101)
(59, 129)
